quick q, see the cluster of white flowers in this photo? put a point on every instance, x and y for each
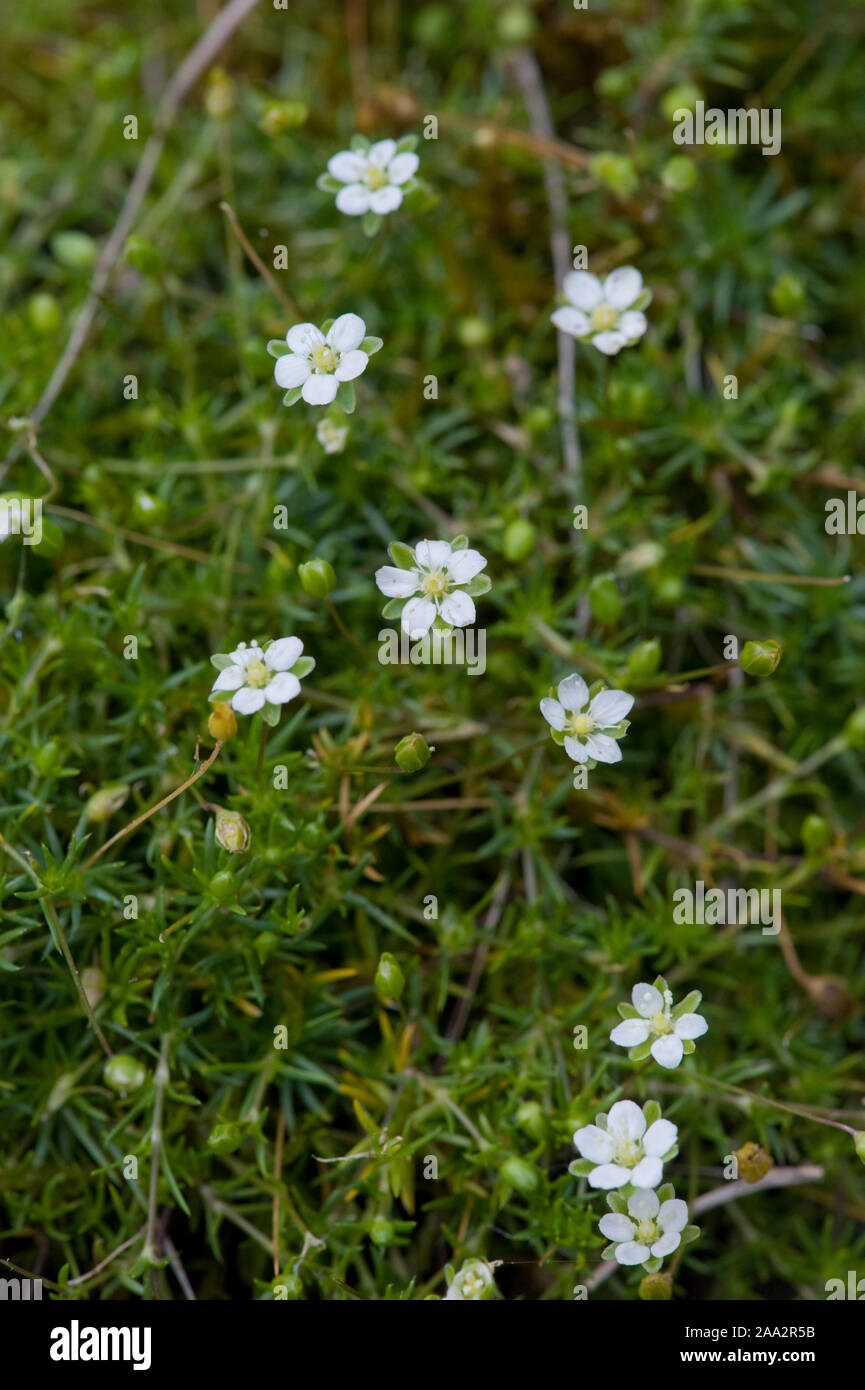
(588, 726)
(436, 582)
(261, 678)
(654, 1026)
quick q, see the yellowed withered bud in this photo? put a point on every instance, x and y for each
(753, 1162)
(102, 804)
(222, 723)
(231, 831)
(93, 983)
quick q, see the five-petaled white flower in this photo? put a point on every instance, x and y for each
(589, 729)
(373, 178)
(474, 1281)
(260, 677)
(318, 361)
(626, 1151)
(657, 1019)
(651, 1230)
(437, 580)
(331, 436)
(604, 314)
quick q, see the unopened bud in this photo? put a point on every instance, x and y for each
(93, 984)
(412, 753)
(760, 658)
(389, 979)
(222, 723)
(102, 804)
(753, 1162)
(519, 1174)
(317, 578)
(656, 1288)
(124, 1073)
(231, 831)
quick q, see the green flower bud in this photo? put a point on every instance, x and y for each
(788, 296)
(280, 116)
(231, 831)
(760, 658)
(655, 1288)
(645, 659)
(854, 729)
(519, 1174)
(389, 979)
(222, 886)
(859, 1144)
(605, 601)
(43, 311)
(146, 507)
(102, 804)
(412, 753)
(142, 255)
(74, 250)
(679, 174)
(225, 1138)
(815, 833)
(531, 1119)
(45, 758)
(317, 578)
(616, 172)
(669, 590)
(288, 1286)
(381, 1231)
(93, 983)
(519, 540)
(473, 331)
(124, 1073)
(683, 97)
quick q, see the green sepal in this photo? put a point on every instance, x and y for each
(303, 666)
(359, 142)
(666, 1193)
(688, 1046)
(277, 347)
(327, 326)
(601, 1121)
(220, 660)
(328, 184)
(641, 1051)
(459, 542)
(660, 984)
(481, 584)
(689, 1004)
(558, 736)
(652, 1265)
(627, 1011)
(393, 607)
(371, 221)
(371, 345)
(690, 1234)
(651, 1111)
(270, 714)
(293, 396)
(345, 397)
(406, 144)
(643, 300)
(581, 1167)
(617, 1203)
(402, 555)
(608, 1253)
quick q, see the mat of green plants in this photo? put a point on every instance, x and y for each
(308, 980)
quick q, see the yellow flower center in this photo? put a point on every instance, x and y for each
(645, 1232)
(375, 178)
(629, 1153)
(324, 359)
(257, 674)
(604, 318)
(661, 1024)
(582, 724)
(435, 584)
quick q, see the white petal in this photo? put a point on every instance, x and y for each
(632, 1253)
(571, 320)
(576, 750)
(346, 333)
(630, 1033)
(463, 565)
(623, 286)
(418, 616)
(291, 370)
(385, 200)
(616, 1227)
(643, 1205)
(402, 167)
(673, 1215)
(660, 1137)
(573, 692)
(667, 1051)
(231, 678)
(320, 389)
(553, 713)
(632, 325)
(283, 653)
(432, 555)
(348, 166)
(582, 289)
(458, 609)
(647, 1000)
(690, 1026)
(304, 338)
(248, 700)
(353, 200)
(609, 1175)
(666, 1245)
(282, 688)
(603, 748)
(350, 365)
(381, 153)
(648, 1172)
(609, 707)
(626, 1121)
(609, 343)
(396, 582)
(594, 1143)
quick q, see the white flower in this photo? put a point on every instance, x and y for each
(316, 362)
(474, 1281)
(261, 677)
(656, 1020)
(437, 579)
(588, 732)
(331, 436)
(603, 314)
(626, 1151)
(651, 1230)
(373, 178)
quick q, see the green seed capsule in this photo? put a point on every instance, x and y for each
(225, 1138)
(412, 753)
(124, 1073)
(74, 250)
(656, 1288)
(317, 578)
(519, 1174)
(519, 540)
(760, 658)
(815, 833)
(222, 886)
(605, 601)
(43, 311)
(389, 979)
